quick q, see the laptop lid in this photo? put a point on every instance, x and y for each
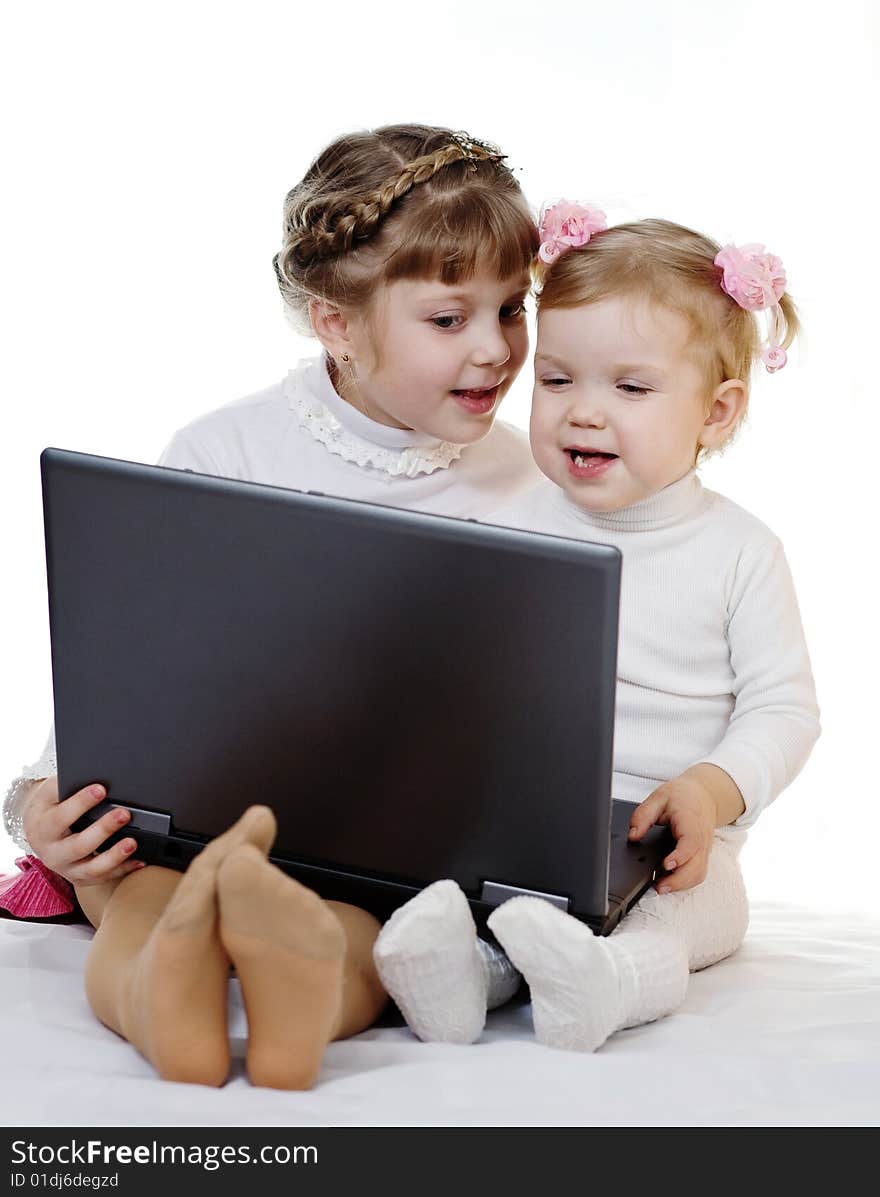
(415, 696)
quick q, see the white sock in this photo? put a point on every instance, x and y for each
(442, 977)
(585, 987)
(575, 985)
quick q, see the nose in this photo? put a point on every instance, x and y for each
(491, 347)
(586, 411)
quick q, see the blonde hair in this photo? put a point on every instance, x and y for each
(403, 201)
(673, 266)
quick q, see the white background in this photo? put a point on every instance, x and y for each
(147, 152)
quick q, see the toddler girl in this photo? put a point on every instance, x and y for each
(647, 335)
(407, 251)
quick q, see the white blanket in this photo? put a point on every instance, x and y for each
(785, 1033)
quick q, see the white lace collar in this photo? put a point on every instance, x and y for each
(347, 432)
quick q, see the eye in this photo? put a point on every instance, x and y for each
(632, 388)
(452, 320)
(554, 381)
(512, 311)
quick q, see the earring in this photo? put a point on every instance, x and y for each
(345, 357)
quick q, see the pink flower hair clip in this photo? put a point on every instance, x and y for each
(567, 225)
(755, 279)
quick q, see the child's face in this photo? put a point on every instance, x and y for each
(619, 405)
(440, 358)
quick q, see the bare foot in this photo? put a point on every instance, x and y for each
(288, 949)
(174, 1002)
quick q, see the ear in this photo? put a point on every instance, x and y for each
(728, 408)
(332, 326)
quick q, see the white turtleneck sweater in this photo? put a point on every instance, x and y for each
(301, 434)
(712, 663)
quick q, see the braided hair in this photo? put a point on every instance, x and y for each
(400, 201)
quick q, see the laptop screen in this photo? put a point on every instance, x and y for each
(415, 696)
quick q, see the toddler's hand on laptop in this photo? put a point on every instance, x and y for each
(693, 805)
(47, 825)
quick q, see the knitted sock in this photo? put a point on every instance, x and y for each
(441, 976)
(584, 987)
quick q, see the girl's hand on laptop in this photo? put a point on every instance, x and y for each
(47, 826)
(692, 806)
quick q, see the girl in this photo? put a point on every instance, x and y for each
(407, 251)
(647, 335)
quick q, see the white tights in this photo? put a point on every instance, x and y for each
(584, 987)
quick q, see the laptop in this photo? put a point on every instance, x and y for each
(416, 697)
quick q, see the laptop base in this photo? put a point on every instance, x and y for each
(632, 868)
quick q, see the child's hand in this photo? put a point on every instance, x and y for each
(47, 823)
(692, 805)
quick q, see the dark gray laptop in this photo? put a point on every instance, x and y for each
(415, 696)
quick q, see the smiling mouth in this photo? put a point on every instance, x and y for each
(589, 457)
(478, 400)
(478, 392)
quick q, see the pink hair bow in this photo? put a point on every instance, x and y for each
(567, 225)
(755, 279)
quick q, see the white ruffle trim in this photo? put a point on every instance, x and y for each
(316, 418)
(13, 812)
(16, 796)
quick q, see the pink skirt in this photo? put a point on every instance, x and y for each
(36, 892)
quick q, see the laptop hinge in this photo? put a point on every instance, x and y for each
(145, 820)
(494, 893)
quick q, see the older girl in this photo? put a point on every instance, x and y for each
(407, 253)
